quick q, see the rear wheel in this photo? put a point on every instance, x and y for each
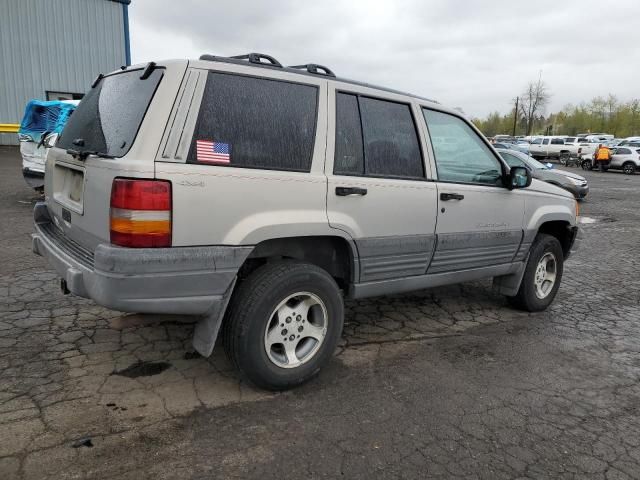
(629, 168)
(542, 275)
(284, 323)
(564, 158)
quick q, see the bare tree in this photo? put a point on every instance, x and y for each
(533, 102)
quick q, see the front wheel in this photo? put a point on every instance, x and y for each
(586, 165)
(542, 275)
(283, 324)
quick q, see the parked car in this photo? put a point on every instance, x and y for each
(626, 159)
(41, 124)
(524, 148)
(256, 197)
(587, 148)
(552, 147)
(630, 142)
(576, 184)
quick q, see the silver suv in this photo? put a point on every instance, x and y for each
(256, 197)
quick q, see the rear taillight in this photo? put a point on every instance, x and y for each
(140, 213)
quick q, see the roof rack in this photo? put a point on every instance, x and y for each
(315, 69)
(267, 61)
(255, 58)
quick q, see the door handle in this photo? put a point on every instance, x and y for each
(347, 191)
(451, 196)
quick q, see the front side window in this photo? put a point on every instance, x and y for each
(512, 160)
(107, 119)
(255, 123)
(376, 138)
(623, 151)
(536, 141)
(464, 157)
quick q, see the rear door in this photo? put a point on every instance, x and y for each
(115, 131)
(378, 187)
(245, 155)
(479, 220)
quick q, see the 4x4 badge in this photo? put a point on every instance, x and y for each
(186, 183)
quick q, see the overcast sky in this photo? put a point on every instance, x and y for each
(463, 53)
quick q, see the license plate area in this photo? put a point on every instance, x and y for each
(68, 186)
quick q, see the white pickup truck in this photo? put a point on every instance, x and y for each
(552, 147)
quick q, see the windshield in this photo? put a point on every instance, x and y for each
(108, 118)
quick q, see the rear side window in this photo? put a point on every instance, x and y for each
(109, 116)
(255, 123)
(557, 141)
(349, 156)
(376, 138)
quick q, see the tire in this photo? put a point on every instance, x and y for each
(252, 322)
(528, 297)
(564, 158)
(586, 165)
(629, 168)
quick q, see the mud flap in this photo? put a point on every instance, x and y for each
(208, 327)
(510, 284)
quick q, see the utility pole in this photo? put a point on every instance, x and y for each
(515, 117)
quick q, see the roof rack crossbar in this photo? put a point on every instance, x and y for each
(258, 58)
(315, 69)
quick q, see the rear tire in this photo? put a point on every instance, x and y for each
(538, 289)
(629, 168)
(277, 353)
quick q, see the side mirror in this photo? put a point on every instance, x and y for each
(50, 140)
(519, 177)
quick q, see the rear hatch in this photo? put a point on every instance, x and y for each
(114, 132)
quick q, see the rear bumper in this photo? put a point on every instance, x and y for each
(179, 280)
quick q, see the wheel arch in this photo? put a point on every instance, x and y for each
(560, 229)
(334, 254)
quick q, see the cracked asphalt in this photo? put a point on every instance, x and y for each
(442, 383)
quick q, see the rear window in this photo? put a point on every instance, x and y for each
(109, 116)
(255, 123)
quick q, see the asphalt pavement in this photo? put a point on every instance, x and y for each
(442, 383)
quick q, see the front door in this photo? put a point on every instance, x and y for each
(378, 190)
(479, 220)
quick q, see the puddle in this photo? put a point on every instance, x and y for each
(587, 220)
(143, 369)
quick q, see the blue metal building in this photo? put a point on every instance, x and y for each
(53, 49)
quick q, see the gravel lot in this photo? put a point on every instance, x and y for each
(443, 383)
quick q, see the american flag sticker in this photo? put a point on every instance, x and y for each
(208, 151)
